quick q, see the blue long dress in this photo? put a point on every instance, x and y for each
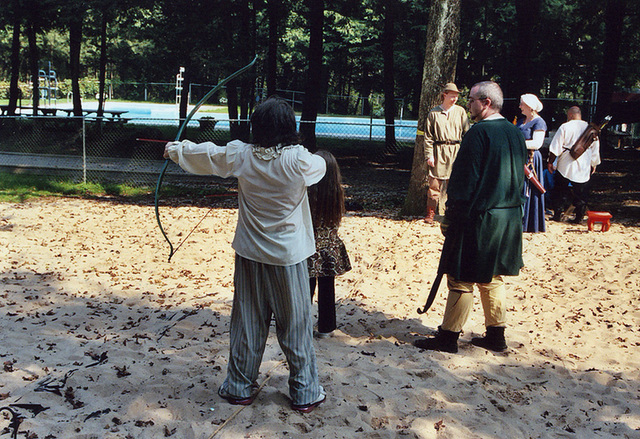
(534, 207)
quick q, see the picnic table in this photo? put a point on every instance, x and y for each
(46, 111)
(110, 115)
(116, 115)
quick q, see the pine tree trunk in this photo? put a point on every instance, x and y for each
(34, 59)
(103, 65)
(75, 44)
(246, 50)
(388, 39)
(523, 79)
(441, 53)
(614, 17)
(313, 87)
(272, 51)
(232, 108)
(14, 89)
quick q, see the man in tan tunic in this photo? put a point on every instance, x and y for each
(445, 126)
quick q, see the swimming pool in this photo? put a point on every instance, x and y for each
(329, 126)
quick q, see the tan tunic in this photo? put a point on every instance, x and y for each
(447, 127)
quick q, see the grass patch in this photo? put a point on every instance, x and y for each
(21, 187)
(17, 188)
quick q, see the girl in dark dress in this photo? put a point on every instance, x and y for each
(326, 199)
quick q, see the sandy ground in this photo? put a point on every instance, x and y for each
(116, 342)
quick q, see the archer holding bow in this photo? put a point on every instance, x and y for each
(273, 239)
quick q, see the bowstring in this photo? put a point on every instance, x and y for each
(181, 129)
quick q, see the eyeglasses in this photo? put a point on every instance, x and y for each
(471, 100)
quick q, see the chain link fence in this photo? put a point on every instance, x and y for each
(121, 150)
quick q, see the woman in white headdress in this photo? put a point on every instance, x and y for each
(533, 128)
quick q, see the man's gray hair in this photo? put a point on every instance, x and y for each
(490, 90)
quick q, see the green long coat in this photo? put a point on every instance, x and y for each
(484, 209)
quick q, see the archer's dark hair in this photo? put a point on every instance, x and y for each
(326, 198)
(273, 122)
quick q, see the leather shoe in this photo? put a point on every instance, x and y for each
(234, 399)
(308, 408)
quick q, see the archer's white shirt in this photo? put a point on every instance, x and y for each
(578, 171)
(274, 220)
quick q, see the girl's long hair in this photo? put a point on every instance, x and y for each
(326, 198)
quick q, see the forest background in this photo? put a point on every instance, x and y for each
(328, 56)
(553, 48)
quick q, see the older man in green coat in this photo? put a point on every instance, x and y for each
(483, 222)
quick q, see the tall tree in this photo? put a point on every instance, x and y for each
(77, 14)
(313, 88)
(443, 35)
(104, 12)
(192, 25)
(388, 39)
(240, 40)
(487, 40)
(34, 68)
(34, 18)
(273, 17)
(523, 63)
(247, 50)
(102, 69)
(614, 17)
(14, 90)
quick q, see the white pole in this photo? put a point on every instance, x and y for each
(84, 153)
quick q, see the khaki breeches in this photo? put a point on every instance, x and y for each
(460, 303)
(437, 194)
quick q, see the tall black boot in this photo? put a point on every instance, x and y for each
(445, 341)
(493, 340)
(580, 211)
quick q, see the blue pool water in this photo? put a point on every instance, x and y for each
(345, 127)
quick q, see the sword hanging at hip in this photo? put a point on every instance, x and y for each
(436, 282)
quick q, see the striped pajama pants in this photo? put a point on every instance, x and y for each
(263, 290)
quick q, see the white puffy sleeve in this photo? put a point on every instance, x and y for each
(536, 142)
(556, 145)
(312, 167)
(595, 155)
(203, 158)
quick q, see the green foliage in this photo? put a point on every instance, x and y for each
(149, 40)
(89, 88)
(25, 89)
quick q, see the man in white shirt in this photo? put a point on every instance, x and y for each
(570, 171)
(274, 238)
